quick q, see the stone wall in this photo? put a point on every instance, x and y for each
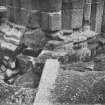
(53, 15)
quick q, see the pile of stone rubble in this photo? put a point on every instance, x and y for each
(24, 51)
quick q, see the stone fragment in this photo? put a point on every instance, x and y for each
(28, 80)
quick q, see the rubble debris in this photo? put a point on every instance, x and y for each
(99, 62)
(79, 87)
(55, 35)
(35, 39)
(28, 80)
(83, 53)
(79, 66)
(13, 95)
(24, 63)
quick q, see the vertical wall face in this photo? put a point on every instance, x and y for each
(87, 10)
(51, 15)
(93, 14)
(30, 13)
(103, 19)
(50, 5)
(24, 12)
(96, 15)
(2, 2)
(99, 15)
(72, 13)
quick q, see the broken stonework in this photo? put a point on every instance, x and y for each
(12, 95)
(24, 63)
(28, 80)
(35, 39)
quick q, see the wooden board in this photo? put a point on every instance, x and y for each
(47, 81)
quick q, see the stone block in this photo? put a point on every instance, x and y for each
(28, 80)
(10, 14)
(34, 19)
(17, 3)
(50, 5)
(35, 39)
(78, 4)
(24, 63)
(51, 21)
(26, 4)
(76, 18)
(9, 2)
(17, 15)
(35, 4)
(26, 14)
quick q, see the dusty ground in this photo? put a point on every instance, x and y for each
(80, 83)
(12, 95)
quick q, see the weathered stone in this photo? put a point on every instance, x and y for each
(52, 44)
(35, 4)
(79, 87)
(16, 3)
(34, 21)
(76, 18)
(26, 4)
(35, 39)
(56, 35)
(50, 6)
(99, 16)
(17, 15)
(51, 21)
(10, 14)
(87, 10)
(24, 63)
(28, 80)
(26, 14)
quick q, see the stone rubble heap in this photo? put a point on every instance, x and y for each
(22, 65)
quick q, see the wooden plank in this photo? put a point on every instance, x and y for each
(72, 14)
(48, 78)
